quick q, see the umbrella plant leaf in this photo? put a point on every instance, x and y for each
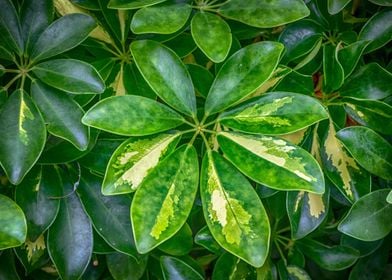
(335, 6)
(134, 4)
(349, 56)
(174, 268)
(333, 70)
(10, 31)
(123, 267)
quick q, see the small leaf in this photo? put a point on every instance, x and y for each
(23, 135)
(230, 267)
(162, 19)
(135, 4)
(179, 244)
(174, 268)
(333, 70)
(10, 31)
(350, 55)
(143, 116)
(335, 6)
(369, 149)
(212, 35)
(204, 238)
(264, 13)
(166, 74)
(286, 167)
(370, 218)
(202, 78)
(70, 75)
(124, 267)
(241, 74)
(233, 211)
(164, 200)
(275, 113)
(297, 273)
(13, 228)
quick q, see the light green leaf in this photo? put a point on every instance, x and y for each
(370, 218)
(275, 113)
(333, 71)
(389, 197)
(123, 267)
(241, 74)
(369, 149)
(335, 6)
(285, 166)
(133, 4)
(164, 200)
(382, 2)
(264, 13)
(10, 32)
(212, 35)
(349, 56)
(23, 135)
(133, 160)
(176, 269)
(233, 211)
(297, 273)
(131, 116)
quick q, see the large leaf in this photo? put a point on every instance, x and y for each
(233, 211)
(275, 113)
(132, 116)
(123, 267)
(335, 6)
(70, 75)
(13, 227)
(109, 215)
(333, 71)
(163, 202)
(65, 33)
(264, 13)
(369, 149)
(132, 161)
(70, 238)
(161, 19)
(166, 74)
(38, 196)
(56, 107)
(284, 166)
(349, 56)
(135, 4)
(23, 135)
(212, 35)
(10, 32)
(370, 218)
(174, 268)
(243, 73)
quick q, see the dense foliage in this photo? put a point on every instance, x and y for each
(204, 139)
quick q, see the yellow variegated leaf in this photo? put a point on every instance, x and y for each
(118, 83)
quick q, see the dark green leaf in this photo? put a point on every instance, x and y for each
(335, 6)
(134, 82)
(333, 71)
(118, 21)
(204, 238)
(365, 248)
(135, 4)
(7, 268)
(296, 82)
(179, 244)
(123, 267)
(297, 273)
(389, 197)
(350, 55)
(176, 269)
(382, 2)
(230, 267)
(87, 4)
(202, 78)
(10, 32)
(183, 45)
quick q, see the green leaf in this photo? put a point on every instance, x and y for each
(296, 82)
(241, 74)
(134, 4)
(333, 71)
(62, 35)
(378, 30)
(369, 82)
(118, 21)
(230, 267)
(202, 78)
(86, 4)
(123, 267)
(382, 2)
(297, 273)
(365, 248)
(204, 238)
(109, 215)
(335, 6)
(332, 258)
(286, 167)
(389, 197)
(374, 114)
(369, 149)
(70, 75)
(350, 55)
(38, 196)
(10, 32)
(264, 13)
(183, 45)
(162, 19)
(179, 244)
(275, 113)
(166, 74)
(133, 160)
(7, 268)
(233, 211)
(176, 269)
(212, 35)
(55, 107)
(23, 135)
(144, 116)
(134, 82)
(70, 238)
(13, 228)
(163, 202)
(370, 218)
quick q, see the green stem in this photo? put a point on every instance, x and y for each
(12, 81)
(193, 138)
(210, 123)
(23, 82)
(283, 230)
(284, 238)
(11, 71)
(205, 141)
(190, 124)
(280, 252)
(209, 131)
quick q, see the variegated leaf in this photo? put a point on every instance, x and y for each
(164, 200)
(273, 162)
(132, 161)
(234, 213)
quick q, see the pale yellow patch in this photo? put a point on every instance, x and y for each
(303, 175)
(33, 247)
(122, 18)
(118, 83)
(24, 114)
(127, 156)
(279, 142)
(295, 137)
(315, 149)
(218, 204)
(300, 196)
(316, 204)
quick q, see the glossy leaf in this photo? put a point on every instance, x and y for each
(135, 4)
(349, 56)
(230, 267)
(369, 149)
(174, 268)
(333, 71)
(63, 34)
(144, 116)
(286, 167)
(389, 197)
(179, 244)
(234, 213)
(204, 238)
(166, 74)
(297, 273)
(335, 6)
(55, 107)
(242, 74)
(13, 227)
(202, 78)
(370, 218)
(23, 135)
(123, 267)
(109, 215)
(11, 37)
(168, 193)
(378, 30)
(264, 13)
(381, 2)
(275, 113)
(70, 75)
(365, 248)
(296, 82)
(162, 19)
(212, 35)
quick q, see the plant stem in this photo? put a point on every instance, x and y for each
(280, 252)
(12, 81)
